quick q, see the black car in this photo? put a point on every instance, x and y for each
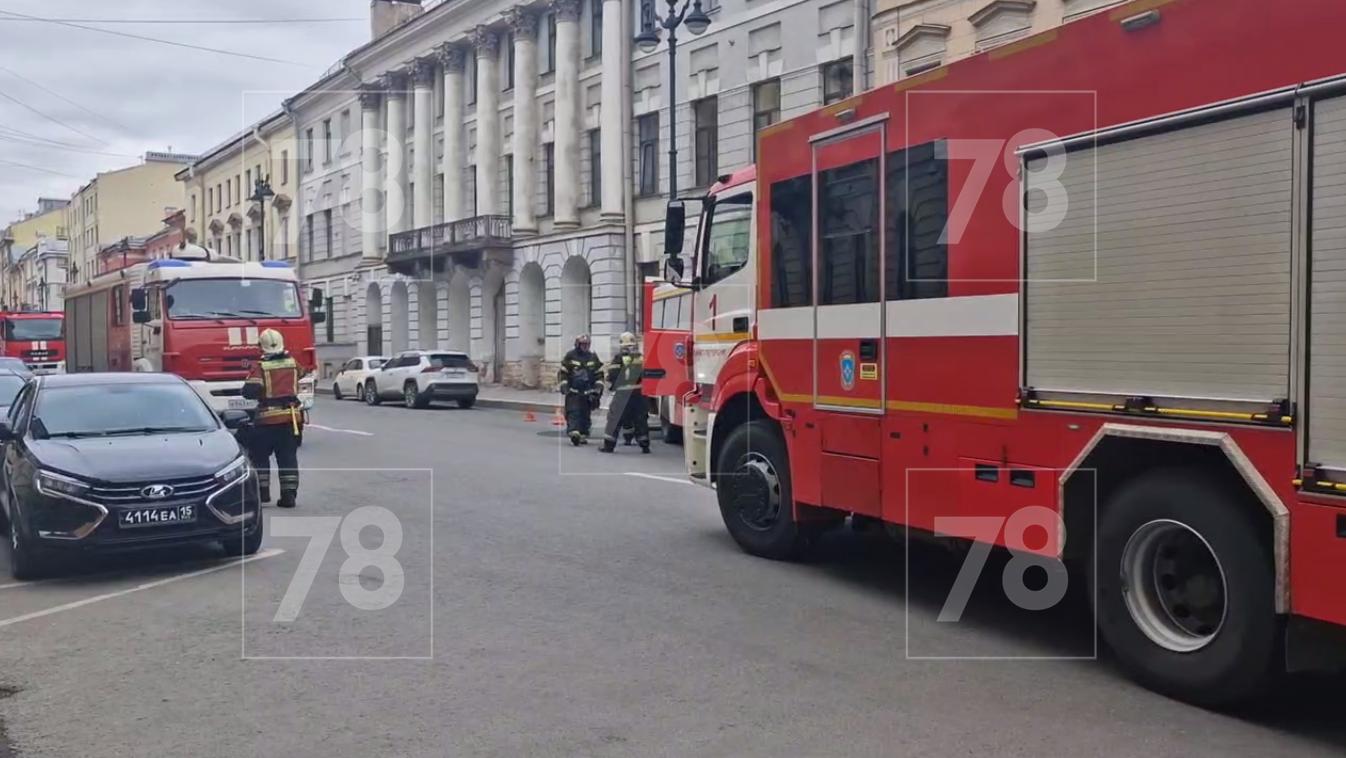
(16, 366)
(10, 384)
(103, 462)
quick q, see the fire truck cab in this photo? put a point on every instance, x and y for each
(197, 315)
(1086, 285)
(35, 337)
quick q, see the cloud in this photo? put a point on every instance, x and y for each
(143, 95)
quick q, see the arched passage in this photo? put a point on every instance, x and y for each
(532, 322)
(427, 307)
(576, 299)
(493, 324)
(373, 320)
(400, 318)
(460, 312)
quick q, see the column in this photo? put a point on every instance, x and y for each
(395, 165)
(423, 161)
(567, 145)
(612, 111)
(487, 44)
(523, 22)
(454, 59)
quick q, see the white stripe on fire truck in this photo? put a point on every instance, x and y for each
(970, 316)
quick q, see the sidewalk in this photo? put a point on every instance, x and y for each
(538, 401)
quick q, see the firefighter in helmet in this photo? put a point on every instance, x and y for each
(277, 422)
(580, 379)
(628, 407)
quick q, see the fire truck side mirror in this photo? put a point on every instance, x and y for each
(140, 317)
(675, 227)
(138, 301)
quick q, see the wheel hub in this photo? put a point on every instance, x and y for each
(756, 492)
(1174, 586)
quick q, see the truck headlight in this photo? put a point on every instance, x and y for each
(233, 472)
(58, 485)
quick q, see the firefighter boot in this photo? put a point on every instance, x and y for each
(287, 499)
(645, 449)
(264, 493)
(576, 438)
(607, 447)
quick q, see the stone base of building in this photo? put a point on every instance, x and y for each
(531, 374)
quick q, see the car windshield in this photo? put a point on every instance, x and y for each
(449, 360)
(121, 408)
(232, 298)
(9, 388)
(34, 329)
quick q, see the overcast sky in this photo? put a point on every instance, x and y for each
(126, 96)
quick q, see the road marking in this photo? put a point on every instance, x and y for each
(673, 479)
(340, 431)
(270, 553)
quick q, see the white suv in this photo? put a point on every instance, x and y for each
(420, 376)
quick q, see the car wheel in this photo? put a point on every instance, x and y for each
(467, 402)
(26, 561)
(1185, 587)
(412, 397)
(753, 489)
(372, 393)
(336, 391)
(245, 545)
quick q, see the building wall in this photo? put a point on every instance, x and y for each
(910, 36)
(25, 233)
(126, 203)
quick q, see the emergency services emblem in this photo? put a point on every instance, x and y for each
(679, 350)
(847, 370)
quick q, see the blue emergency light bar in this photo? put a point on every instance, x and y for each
(169, 263)
(275, 264)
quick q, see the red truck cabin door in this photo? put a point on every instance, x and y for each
(848, 346)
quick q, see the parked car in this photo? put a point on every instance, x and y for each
(10, 384)
(350, 380)
(108, 462)
(422, 376)
(10, 363)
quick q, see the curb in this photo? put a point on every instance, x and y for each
(526, 405)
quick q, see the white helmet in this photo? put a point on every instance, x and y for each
(271, 342)
(627, 340)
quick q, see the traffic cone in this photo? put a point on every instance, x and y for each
(558, 418)
(529, 416)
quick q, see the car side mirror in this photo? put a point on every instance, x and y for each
(139, 301)
(6, 432)
(675, 228)
(234, 418)
(140, 317)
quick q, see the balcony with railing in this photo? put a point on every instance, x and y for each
(464, 241)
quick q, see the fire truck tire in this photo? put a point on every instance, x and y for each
(1185, 589)
(753, 488)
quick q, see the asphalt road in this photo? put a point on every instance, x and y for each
(553, 601)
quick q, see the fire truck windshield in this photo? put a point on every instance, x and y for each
(225, 298)
(30, 329)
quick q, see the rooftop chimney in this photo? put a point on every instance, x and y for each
(386, 15)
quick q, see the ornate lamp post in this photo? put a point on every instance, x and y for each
(260, 192)
(648, 40)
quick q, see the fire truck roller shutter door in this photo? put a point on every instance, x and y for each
(1162, 263)
(1326, 411)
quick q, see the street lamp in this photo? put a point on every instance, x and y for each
(260, 192)
(648, 40)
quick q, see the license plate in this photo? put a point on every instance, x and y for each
(239, 404)
(135, 517)
(455, 372)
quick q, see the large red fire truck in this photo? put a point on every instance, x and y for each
(196, 315)
(35, 337)
(1098, 274)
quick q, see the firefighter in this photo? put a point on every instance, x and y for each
(580, 379)
(628, 407)
(277, 420)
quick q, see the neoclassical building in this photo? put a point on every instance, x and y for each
(489, 176)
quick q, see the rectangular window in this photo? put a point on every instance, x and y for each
(345, 132)
(549, 169)
(595, 167)
(470, 79)
(470, 183)
(595, 28)
(509, 184)
(848, 234)
(705, 119)
(283, 243)
(792, 242)
(765, 108)
(285, 167)
(838, 82)
(327, 233)
(647, 15)
(917, 210)
(327, 141)
(727, 244)
(248, 180)
(308, 150)
(308, 237)
(238, 189)
(509, 62)
(228, 192)
(331, 322)
(210, 199)
(119, 305)
(647, 127)
(550, 59)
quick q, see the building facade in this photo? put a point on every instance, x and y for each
(491, 176)
(47, 222)
(118, 204)
(220, 185)
(913, 36)
(42, 270)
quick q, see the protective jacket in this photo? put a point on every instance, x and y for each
(581, 371)
(274, 383)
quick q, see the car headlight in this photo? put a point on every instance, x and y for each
(58, 485)
(233, 472)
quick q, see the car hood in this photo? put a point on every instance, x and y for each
(138, 457)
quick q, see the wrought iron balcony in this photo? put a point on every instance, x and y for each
(464, 240)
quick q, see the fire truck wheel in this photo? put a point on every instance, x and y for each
(753, 488)
(1186, 589)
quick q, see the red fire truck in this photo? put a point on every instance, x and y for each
(35, 337)
(668, 354)
(1080, 296)
(196, 315)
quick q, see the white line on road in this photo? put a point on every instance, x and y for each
(271, 553)
(341, 431)
(673, 479)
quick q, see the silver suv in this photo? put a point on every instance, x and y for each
(422, 376)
